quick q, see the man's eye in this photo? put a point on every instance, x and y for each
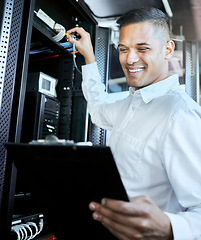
(122, 49)
(143, 49)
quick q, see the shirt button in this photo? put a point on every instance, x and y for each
(133, 107)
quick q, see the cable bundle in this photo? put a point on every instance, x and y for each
(61, 32)
(28, 230)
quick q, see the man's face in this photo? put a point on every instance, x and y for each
(142, 54)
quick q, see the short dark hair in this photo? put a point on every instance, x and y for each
(154, 15)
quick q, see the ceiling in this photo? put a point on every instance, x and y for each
(186, 14)
(109, 8)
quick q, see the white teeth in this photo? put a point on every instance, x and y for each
(135, 70)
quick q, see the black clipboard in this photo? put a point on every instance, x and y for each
(63, 180)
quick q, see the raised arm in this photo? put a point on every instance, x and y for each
(100, 106)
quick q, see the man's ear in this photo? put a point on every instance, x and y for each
(169, 49)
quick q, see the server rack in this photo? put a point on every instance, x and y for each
(19, 30)
(97, 135)
(14, 47)
(192, 76)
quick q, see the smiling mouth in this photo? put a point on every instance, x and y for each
(134, 70)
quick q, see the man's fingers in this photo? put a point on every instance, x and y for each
(118, 235)
(106, 215)
(122, 232)
(137, 208)
(78, 31)
(74, 30)
(123, 227)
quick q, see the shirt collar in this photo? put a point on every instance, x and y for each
(157, 89)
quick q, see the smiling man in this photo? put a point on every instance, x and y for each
(155, 134)
(140, 53)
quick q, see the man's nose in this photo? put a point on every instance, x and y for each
(132, 57)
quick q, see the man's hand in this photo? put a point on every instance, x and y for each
(138, 219)
(84, 44)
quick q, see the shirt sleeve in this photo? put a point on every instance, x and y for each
(181, 154)
(101, 108)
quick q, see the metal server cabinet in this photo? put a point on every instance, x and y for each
(192, 77)
(97, 135)
(14, 50)
(16, 24)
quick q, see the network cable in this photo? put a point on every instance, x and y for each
(28, 231)
(74, 50)
(61, 33)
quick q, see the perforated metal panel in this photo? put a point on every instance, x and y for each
(98, 135)
(102, 52)
(65, 86)
(9, 43)
(192, 80)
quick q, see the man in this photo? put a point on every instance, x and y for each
(155, 134)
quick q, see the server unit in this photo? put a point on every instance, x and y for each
(41, 116)
(41, 110)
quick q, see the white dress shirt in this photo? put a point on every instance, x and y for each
(156, 142)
